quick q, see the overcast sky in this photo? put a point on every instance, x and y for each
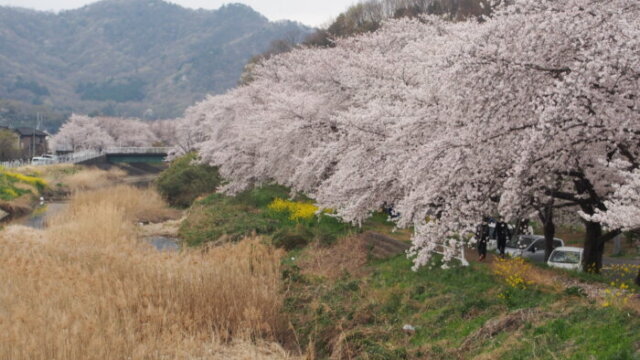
(309, 12)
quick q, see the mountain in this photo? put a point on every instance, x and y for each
(130, 57)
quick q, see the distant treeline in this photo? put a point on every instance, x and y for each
(369, 15)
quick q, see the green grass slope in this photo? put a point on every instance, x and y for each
(343, 303)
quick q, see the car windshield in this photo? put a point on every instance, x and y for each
(565, 257)
(519, 242)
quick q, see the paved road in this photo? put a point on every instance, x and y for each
(620, 261)
(539, 258)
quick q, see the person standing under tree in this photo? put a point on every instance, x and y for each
(482, 235)
(502, 235)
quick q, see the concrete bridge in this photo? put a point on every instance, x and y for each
(137, 155)
(118, 155)
(114, 155)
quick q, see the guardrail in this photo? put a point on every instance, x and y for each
(77, 157)
(13, 164)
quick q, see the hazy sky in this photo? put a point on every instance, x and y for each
(310, 12)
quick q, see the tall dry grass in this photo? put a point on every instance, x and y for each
(348, 254)
(93, 178)
(87, 288)
(136, 204)
(47, 171)
(75, 178)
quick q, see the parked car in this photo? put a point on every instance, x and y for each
(530, 247)
(566, 257)
(41, 160)
(50, 156)
(44, 159)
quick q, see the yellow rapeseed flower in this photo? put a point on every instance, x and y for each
(10, 192)
(26, 179)
(297, 210)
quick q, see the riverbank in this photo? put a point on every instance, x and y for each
(263, 275)
(88, 287)
(57, 183)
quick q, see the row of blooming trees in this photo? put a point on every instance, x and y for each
(534, 112)
(96, 133)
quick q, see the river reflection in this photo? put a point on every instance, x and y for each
(163, 243)
(41, 216)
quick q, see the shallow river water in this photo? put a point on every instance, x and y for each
(40, 217)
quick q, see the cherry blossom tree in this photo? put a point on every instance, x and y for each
(81, 133)
(312, 119)
(623, 207)
(97, 133)
(165, 131)
(128, 132)
(527, 113)
(566, 102)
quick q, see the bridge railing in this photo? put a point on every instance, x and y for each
(137, 150)
(77, 157)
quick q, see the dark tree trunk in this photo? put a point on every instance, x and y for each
(546, 216)
(517, 230)
(593, 248)
(638, 278)
(549, 234)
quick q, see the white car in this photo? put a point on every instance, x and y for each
(41, 160)
(566, 257)
(45, 159)
(530, 247)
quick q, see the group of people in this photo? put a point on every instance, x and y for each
(491, 229)
(390, 210)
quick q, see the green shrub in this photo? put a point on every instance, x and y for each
(222, 217)
(185, 180)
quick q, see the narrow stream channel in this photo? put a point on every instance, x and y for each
(40, 217)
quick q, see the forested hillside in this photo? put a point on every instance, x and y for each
(129, 57)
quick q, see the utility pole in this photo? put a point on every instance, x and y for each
(33, 138)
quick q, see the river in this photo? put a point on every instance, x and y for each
(40, 217)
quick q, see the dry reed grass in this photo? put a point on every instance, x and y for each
(93, 178)
(139, 205)
(46, 170)
(87, 288)
(25, 169)
(346, 255)
(53, 174)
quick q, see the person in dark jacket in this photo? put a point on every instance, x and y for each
(482, 235)
(502, 235)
